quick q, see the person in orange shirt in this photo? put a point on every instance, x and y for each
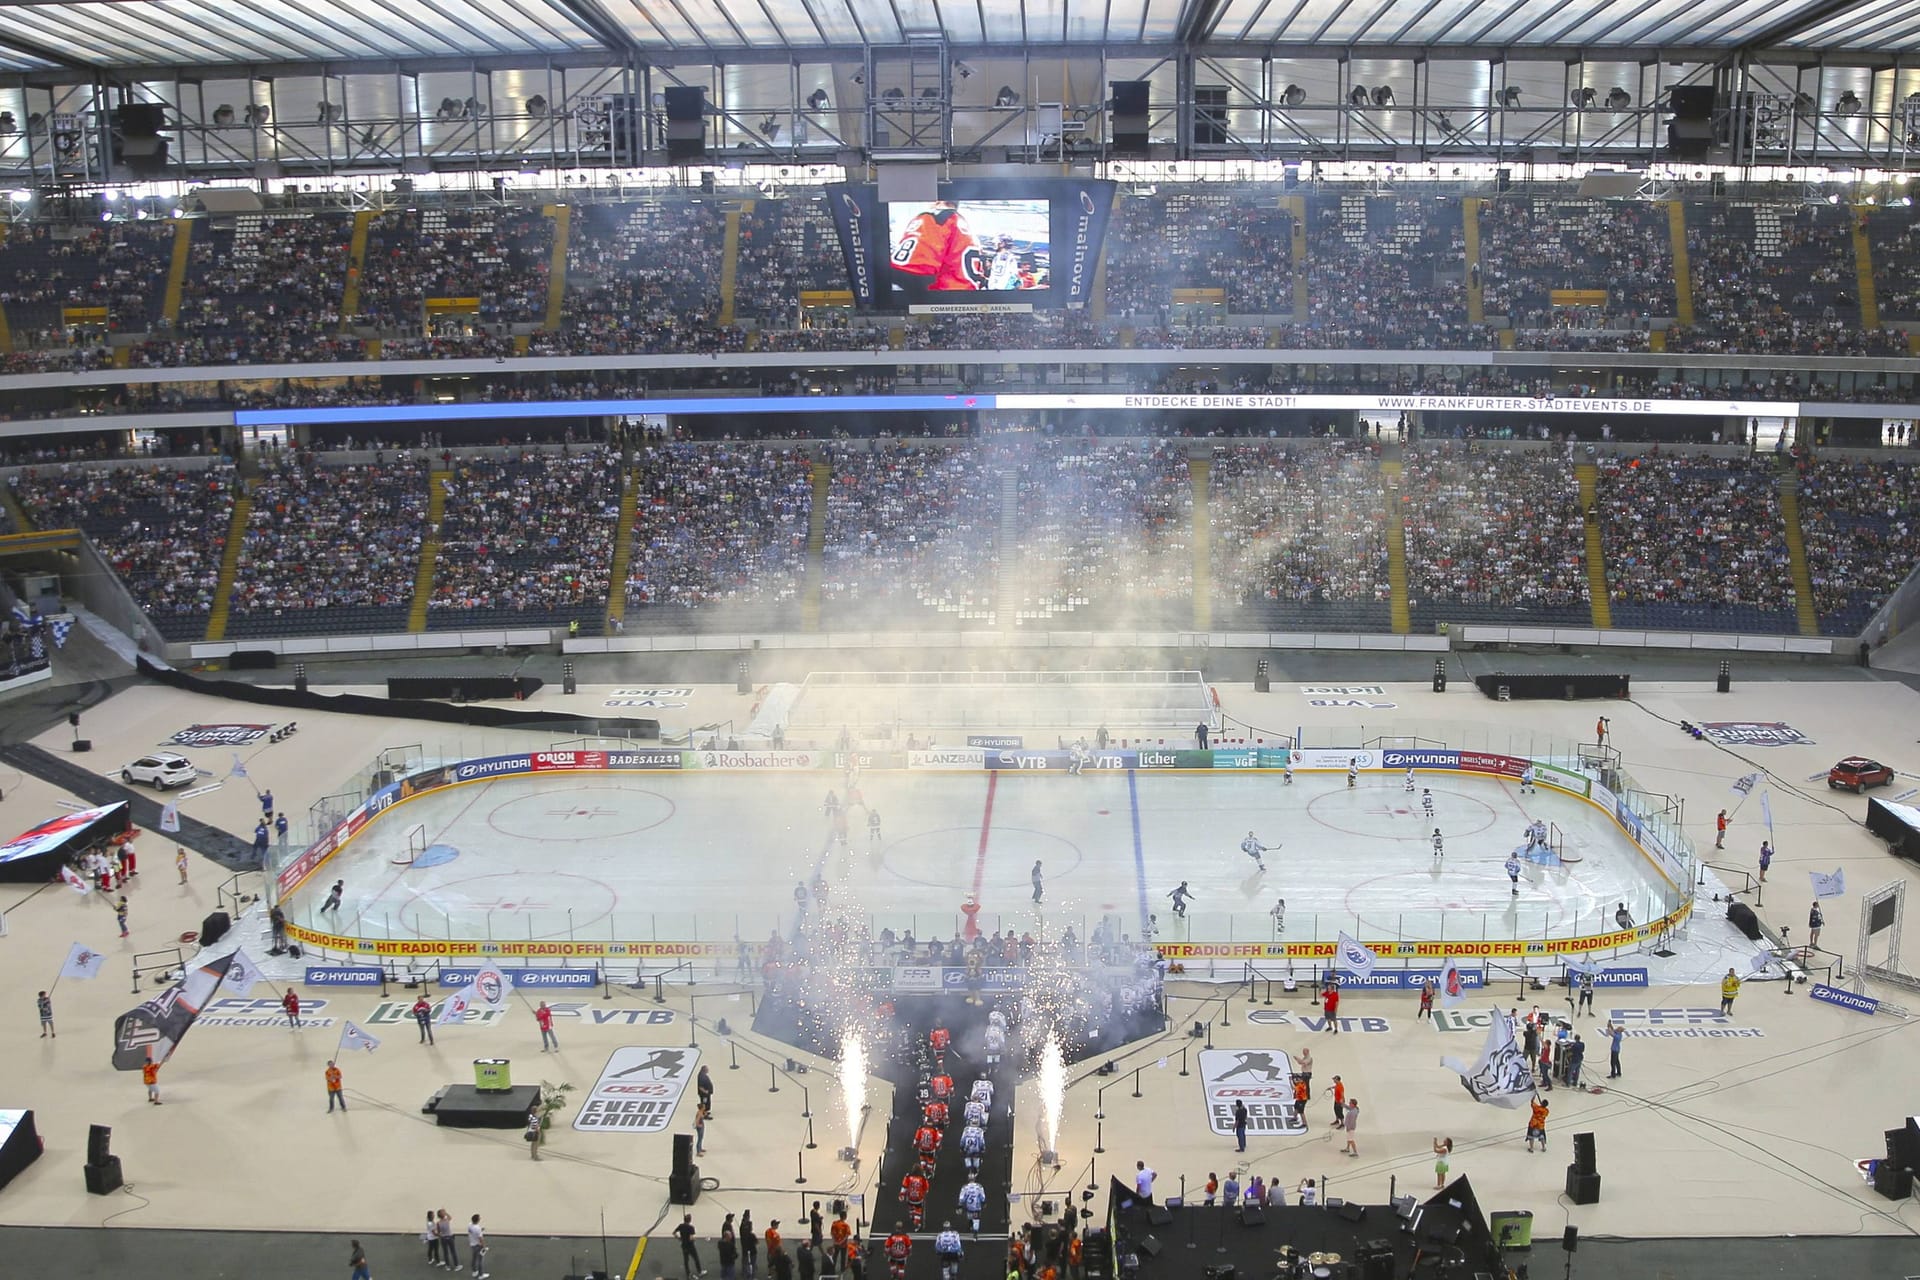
(1537, 1124)
(1339, 1103)
(150, 1076)
(1073, 1254)
(333, 1088)
(773, 1239)
(841, 1232)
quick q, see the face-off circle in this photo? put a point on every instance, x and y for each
(555, 903)
(568, 814)
(1379, 814)
(944, 858)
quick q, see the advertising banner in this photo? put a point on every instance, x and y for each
(1259, 1079)
(1407, 979)
(998, 741)
(1844, 998)
(957, 758)
(529, 979)
(1335, 757)
(331, 975)
(759, 760)
(1553, 775)
(1421, 758)
(1504, 766)
(637, 1090)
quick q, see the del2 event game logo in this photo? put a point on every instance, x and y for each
(219, 735)
(638, 1090)
(1260, 1078)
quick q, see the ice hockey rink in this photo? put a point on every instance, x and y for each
(714, 856)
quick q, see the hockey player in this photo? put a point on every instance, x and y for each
(1252, 847)
(873, 827)
(1439, 846)
(1286, 771)
(899, 1246)
(1005, 271)
(1353, 772)
(830, 806)
(939, 1040)
(1279, 914)
(1180, 895)
(995, 1043)
(938, 247)
(913, 1190)
(983, 1090)
(1408, 785)
(1513, 873)
(973, 1145)
(1426, 803)
(935, 1114)
(1526, 781)
(975, 1112)
(940, 1086)
(995, 1018)
(926, 1143)
(1077, 758)
(947, 1248)
(973, 1198)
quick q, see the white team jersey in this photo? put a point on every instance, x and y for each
(973, 1197)
(1437, 845)
(996, 1039)
(982, 1091)
(973, 1139)
(1513, 868)
(1252, 848)
(976, 1113)
(947, 1242)
(1005, 272)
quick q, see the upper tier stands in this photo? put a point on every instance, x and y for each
(121, 266)
(1531, 247)
(787, 247)
(527, 541)
(1494, 536)
(1893, 237)
(1201, 238)
(1387, 271)
(910, 537)
(1861, 524)
(1299, 538)
(1695, 544)
(640, 277)
(497, 256)
(262, 289)
(162, 528)
(330, 549)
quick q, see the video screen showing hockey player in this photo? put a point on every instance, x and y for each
(970, 246)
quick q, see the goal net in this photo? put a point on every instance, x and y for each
(416, 845)
(1557, 841)
(892, 703)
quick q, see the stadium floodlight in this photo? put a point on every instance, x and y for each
(1383, 96)
(1584, 97)
(1007, 97)
(326, 112)
(536, 105)
(256, 114)
(222, 116)
(1848, 104)
(818, 100)
(1803, 103)
(1293, 96)
(895, 94)
(1358, 95)
(1618, 99)
(1510, 96)
(966, 72)
(929, 94)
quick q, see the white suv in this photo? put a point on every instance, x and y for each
(162, 770)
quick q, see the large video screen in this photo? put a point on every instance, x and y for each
(980, 245)
(970, 246)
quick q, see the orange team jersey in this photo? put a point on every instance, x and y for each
(150, 1073)
(1339, 1093)
(333, 1077)
(937, 244)
(773, 1240)
(1538, 1120)
(841, 1230)
(913, 1188)
(1299, 1090)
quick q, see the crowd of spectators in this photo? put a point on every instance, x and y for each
(1620, 248)
(787, 247)
(1694, 543)
(1493, 534)
(1386, 272)
(262, 289)
(526, 539)
(498, 256)
(909, 528)
(642, 277)
(718, 524)
(46, 268)
(1298, 525)
(331, 548)
(163, 528)
(1862, 535)
(1893, 240)
(1237, 241)
(1106, 528)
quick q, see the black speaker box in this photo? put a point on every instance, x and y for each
(99, 1140)
(1128, 125)
(83, 744)
(1583, 1153)
(1159, 1215)
(686, 102)
(1353, 1212)
(1570, 1239)
(1892, 1181)
(1741, 917)
(214, 927)
(105, 1176)
(1377, 1265)
(1151, 1246)
(1689, 139)
(1691, 101)
(252, 660)
(1899, 1153)
(1252, 1215)
(682, 1152)
(138, 118)
(1582, 1188)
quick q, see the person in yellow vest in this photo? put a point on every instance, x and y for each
(1729, 988)
(334, 1093)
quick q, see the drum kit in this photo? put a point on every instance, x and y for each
(1294, 1265)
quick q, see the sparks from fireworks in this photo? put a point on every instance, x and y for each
(1052, 1083)
(853, 1084)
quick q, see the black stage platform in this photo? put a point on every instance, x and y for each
(461, 1106)
(1444, 1237)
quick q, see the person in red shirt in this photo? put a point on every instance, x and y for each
(544, 1016)
(926, 1141)
(941, 1040)
(898, 1246)
(939, 248)
(1330, 1005)
(913, 1190)
(291, 1003)
(935, 1114)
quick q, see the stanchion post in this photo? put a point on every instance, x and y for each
(659, 992)
(810, 1142)
(1099, 1136)
(1136, 1083)
(606, 981)
(1183, 1067)
(733, 1053)
(1226, 1009)
(773, 1079)
(806, 1103)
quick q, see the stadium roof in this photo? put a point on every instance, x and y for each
(175, 33)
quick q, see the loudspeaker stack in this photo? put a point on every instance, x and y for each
(103, 1167)
(683, 1183)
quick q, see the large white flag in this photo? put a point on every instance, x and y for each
(352, 1038)
(1503, 1076)
(242, 974)
(170, 818)
(1453, 990)
(239, 769)
(1579, 966)
(73, 880)
(1354, 956)
(1833, 886)
(491, 986)
(454, 1007)
(1744, 786)
(1761, 959)
(1766, 810)
(83, 962)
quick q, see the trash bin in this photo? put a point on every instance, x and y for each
(492, 1075)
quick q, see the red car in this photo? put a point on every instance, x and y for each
(1857, 773)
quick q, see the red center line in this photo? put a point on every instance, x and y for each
(986, 829)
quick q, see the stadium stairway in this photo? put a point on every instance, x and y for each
(1401, 611)
(816, 547)
(14, 509)
(1600, 602)
(177, 270)
(1006, 594)
(1470, 231)
(1682, 269)
(429, 550)
(356, 267)
(1803, 610)
(1200, 470)
(1863, 275)
(622, 551)
(1296, 207)
(230, 563)
(562, 216)
(730, 261)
